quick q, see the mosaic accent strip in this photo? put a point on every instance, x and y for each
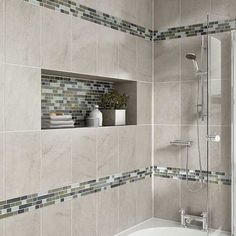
(98, 17)
(71, 96)
(195, 30)
(36, 201)
(193, 175)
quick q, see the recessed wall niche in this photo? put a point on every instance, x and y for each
(76, 94)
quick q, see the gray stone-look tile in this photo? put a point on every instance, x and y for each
(83, 154)
(22, 163)
(107, 151)
(127, 206)
(84, 46)
(166, 199)
(107, 213)
(167, 103)
(144, 103)
(84, 216)
(56, 159)
(27, 224)
(167, 60)
(56, 54)
(107, 52)
(56, 220)
(23, 83)
(167, 14)
(22, 40)
(127, 148)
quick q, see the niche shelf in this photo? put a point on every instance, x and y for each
(76, 94)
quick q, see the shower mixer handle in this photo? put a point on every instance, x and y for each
(213, 138)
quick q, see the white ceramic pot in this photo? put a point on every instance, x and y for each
(114, 117)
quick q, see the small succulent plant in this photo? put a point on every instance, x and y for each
(114, 100)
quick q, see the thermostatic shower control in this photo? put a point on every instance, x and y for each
(213, 138)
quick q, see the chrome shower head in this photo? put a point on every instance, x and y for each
(193, 58)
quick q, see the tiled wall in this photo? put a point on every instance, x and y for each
(34, 161)
(175, 97)
(71, 96)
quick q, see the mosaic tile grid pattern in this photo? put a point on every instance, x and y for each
(193, 175)
(36, 201)
(98, 17)
(71, 96)
(195, 30)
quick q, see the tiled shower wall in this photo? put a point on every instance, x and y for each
(34, 38)
(175, 97)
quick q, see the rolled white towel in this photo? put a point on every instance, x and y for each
(61, 122)
(61, 117)
(60, 126)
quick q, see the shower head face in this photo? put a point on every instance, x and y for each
(191, 56)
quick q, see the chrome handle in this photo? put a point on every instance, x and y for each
(213, 138)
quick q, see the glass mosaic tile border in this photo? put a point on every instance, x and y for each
(193, 175)
(195, 30)
(71, 96)
(98, 17)
(36, 201)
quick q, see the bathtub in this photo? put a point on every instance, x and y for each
(168, 231)
(159, 227)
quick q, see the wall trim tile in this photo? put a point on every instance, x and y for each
(31, 202)
(95, 16)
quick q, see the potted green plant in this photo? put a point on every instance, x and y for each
(114, 108)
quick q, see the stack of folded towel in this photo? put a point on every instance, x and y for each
(59, 121)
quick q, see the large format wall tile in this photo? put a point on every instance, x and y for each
(144, 103)
(107, 213)
(23, 83)
(127, 206)
(27, 224)
(166, 199)
(84, 46)
(219, 102)
(220, 153)
(144, 13)
(167, 60)
(2, 126)
(144, 200)
(225, 10)
(167, 103)
(22, 163)
(144, 60)
(107, 52)
(2, 30)
(127, 57)
(127, 148)
(143, 146)
(56, 159)
(83, 155)
(84, 216)
(56, 54)
(164, 153)
(107, 151)
(2, 165)
(22, 33)
(220, 207)
(194, 203)
(193, 12)
(56, 220)
(167, 14)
